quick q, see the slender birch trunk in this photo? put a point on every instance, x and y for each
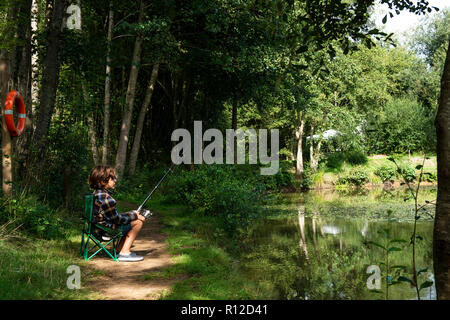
(299, 136)
(6, 138)
(105, 147)
(311, 146)
(141, 118)
(131, 92)
(34, 59)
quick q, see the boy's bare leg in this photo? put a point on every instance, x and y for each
(126, 242)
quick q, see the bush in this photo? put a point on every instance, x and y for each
(307, 179)
(356, 177)
(356, 157)
(218, 191)
(406, 172)
(33, 218)
(335, 160)
(430, 176)
(404, 125)
(386, 173)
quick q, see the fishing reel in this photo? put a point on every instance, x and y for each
(147, 214)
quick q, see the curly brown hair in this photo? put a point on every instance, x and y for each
(100, 176)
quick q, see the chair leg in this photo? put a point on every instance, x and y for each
(82, 244)
(102, 247)
(86, 247)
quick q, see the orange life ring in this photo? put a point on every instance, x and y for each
(15, 97)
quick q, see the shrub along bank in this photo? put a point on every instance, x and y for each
(338, 171)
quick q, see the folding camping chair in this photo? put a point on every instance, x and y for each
(93, 231)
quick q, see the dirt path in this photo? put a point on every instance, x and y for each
(124, 280)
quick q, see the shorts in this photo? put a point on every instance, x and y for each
(125, 228)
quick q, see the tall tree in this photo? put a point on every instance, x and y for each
(121, 155)
(299, 169)
(106, 119)
(141, 118)
(441, 235)
(6, 138)
(49, 84)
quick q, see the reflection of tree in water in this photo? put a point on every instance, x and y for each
(317, 257)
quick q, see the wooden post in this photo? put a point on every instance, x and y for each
(6, 138)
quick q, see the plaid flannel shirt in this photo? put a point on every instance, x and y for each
(105, 211)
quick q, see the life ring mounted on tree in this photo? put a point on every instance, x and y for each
(14, 97)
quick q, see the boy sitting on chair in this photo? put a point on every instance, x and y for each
(103, 179)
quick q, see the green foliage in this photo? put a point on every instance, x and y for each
(385, 172)
(403, 126)
(32, 217)
(406, 171)
(356, 157)
(356, 177)
(307, 181)
(336, 160)
(430, 176)
(217, 190)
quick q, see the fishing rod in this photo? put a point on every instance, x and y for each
(147, 212)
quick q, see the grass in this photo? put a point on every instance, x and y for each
(32, 267)
(37, 269)
(203, 267)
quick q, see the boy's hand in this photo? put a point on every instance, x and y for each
(141, 217)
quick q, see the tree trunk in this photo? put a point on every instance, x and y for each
(131, 92)
(315, 163)
(314, 150)
(34, 59)
(6, 138)
(311, 146)
(105, 147)
(177, 99)
(47, 93)
(20, 71)
(234, 115)
(67, 184)
(441, 235)
(91, 126)
(299, 136)
(140, 123)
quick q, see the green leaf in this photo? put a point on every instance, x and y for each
(422, 270)
(418, 167)
(391, 249)
(376, 244)
(384, 19)
(426, 284)
(398, 267)
(404, 279)
(376, 291)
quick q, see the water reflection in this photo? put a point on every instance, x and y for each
(312, 254)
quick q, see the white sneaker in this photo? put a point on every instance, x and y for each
(132, 257)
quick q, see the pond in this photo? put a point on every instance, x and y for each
(320, 244)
